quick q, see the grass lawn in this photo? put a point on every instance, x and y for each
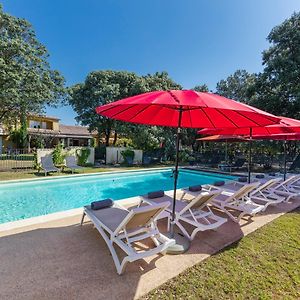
(35, 174)
(263, 265)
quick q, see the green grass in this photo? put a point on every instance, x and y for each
(35, 174)
(263, 265)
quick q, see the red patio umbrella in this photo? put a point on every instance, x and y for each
(285, 126)
(188, 109)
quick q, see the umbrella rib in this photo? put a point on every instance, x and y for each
(136, 114)
(255, 121)
(208, 117)
(120, 112)
(227, 117)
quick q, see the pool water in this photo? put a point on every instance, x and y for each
(27, 199)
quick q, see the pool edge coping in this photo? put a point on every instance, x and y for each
(77, 175)
(4, 227)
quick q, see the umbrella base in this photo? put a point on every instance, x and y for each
(182, 244)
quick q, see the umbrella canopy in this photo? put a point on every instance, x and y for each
(197, 110)
(279, 137)
(188, 109)
(286, 125)
(223, 138)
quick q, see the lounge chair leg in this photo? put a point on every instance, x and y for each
(82, 219)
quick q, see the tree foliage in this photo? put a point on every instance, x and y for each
(102, 87)
(238, 86)
(27, 82)
(278, 86)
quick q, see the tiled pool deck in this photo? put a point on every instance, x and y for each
(58, 259)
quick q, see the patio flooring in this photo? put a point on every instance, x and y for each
(62, 260)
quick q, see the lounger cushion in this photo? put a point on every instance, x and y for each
(195, 188)
(272, 174)
(101, 204)
(156, 194)
(242, 179)
(219, 183)
(260, 176)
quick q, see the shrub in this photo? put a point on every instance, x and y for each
(83, 155)
(58, 155)
(128, 155)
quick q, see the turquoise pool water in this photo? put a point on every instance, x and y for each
(23, 200)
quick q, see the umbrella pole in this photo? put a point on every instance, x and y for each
(284, 162)
(250, 156)
(175, 172)
(182, 244)
(226, 152)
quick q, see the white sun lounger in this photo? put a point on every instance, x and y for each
(238, 201)
(284, 188)
(195, 213)
(119, 226)
(265, 195)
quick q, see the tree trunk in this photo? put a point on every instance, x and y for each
(107, 136)
(115, 138)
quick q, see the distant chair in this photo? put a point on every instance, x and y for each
(72, 164)
(239, 163)
(296, 163)
(48, 165)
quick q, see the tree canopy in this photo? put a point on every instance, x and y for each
(277, 88)
(102, 87)
(27, 83)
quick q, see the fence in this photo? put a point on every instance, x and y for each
(16, 160)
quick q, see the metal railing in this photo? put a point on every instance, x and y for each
(16, 160)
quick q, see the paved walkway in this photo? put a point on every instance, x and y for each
(62, 260)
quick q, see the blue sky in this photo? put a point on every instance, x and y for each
(195, 41)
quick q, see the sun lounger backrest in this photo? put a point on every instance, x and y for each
(287, 181)
(47, 162)
(243, 191)
(142, 216)
(267, 184)
(200, 201)
(71, 161)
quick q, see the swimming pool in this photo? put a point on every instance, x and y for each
(32, 198)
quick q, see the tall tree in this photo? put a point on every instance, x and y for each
(238, 86)
(278, 86)
(201, 88)
(27, 82)
(99, 88)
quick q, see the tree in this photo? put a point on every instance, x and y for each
(201, 88)
(99, 88)
(102, 87)
(27, 82)
(278, 86)
(238, 86)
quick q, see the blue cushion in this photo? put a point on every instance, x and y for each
(219, 183)
(195, 188)
(102, 204)
(156, 194)
(260, 176)
(242, 179)
(272, 174)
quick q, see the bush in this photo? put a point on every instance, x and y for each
(83, 155)
(58, 155)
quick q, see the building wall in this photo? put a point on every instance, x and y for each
(42, 122)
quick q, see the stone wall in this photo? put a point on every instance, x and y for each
(68, 151)
(114, 156)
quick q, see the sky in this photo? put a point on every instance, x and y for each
(195, 41)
